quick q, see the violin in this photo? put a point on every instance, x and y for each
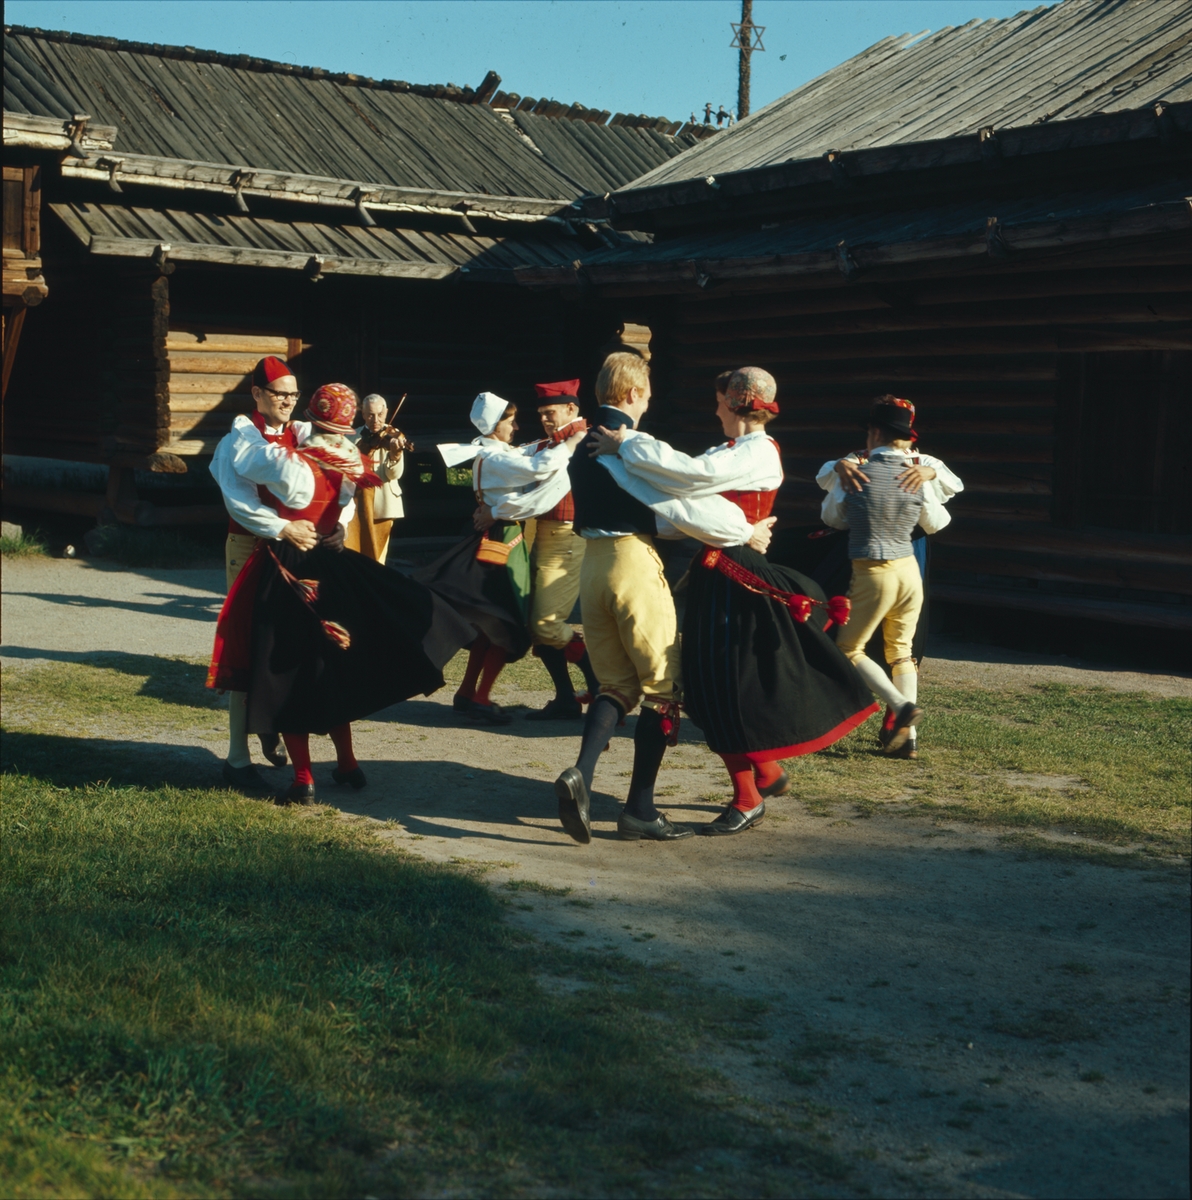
(370, 443)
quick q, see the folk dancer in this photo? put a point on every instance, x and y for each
(761, 677)
(252, 457)
(486, 576)
(556, 557)
(629, 619)
(382, 450)
(886, 590)
(321, 637)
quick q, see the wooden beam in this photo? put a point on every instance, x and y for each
(29, 132)
(14, 322)
(1119, 613)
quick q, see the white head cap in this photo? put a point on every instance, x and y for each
(487, 410)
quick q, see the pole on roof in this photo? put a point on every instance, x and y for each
(747, 38)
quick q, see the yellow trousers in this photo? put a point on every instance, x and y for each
(558, 559)
(885, 592)
(364, 533)
(236, 551)
(629, 621)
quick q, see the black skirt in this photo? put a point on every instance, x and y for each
(482, 593)
(304, 682)
(755, 679)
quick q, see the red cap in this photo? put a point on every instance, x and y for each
(568, 387)
(333, 408)
(269, 369)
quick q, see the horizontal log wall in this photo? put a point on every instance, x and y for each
(982, 359)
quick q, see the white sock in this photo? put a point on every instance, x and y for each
(907, 679)
(238, 755)
(878, 681)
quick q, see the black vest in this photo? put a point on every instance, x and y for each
(599, 501)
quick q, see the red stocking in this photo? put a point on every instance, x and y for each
(768, 772)
(479, 648)
(298, 744)
(494, 663)
(341, 739)
(740, 770)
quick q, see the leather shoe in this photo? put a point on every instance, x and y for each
(574, 805)
(660, 829)
(734, 820)
(460, 703)
(779, 787)
(273, 749)
(296, 793)
(909, 750)
(355, 777)
(246, 781)
(909, 715)
(488, 714)
(558, 710)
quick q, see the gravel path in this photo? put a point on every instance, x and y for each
(985, 1025)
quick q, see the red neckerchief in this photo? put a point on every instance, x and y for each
(287, 437)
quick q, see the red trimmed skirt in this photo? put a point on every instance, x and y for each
(756, 680)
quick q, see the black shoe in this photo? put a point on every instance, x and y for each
(558, 710)
(355, 777)
(296, 793)
(733, 820)
(779, 787)
(909, 715)
(246, 781)
(460, 703)
(273, 749)
(488, 714)
(660, 829)
(909, 750)
(574, 805)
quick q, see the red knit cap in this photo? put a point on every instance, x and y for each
(269, 369)
(548, 391)
(333, 408)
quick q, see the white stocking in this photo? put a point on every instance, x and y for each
(907, 679)
(878, 681)
(238, 755)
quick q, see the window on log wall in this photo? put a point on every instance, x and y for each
(1121, 443)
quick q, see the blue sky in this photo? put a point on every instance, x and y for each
(660, 57)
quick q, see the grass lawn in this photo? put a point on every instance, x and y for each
(204, 995)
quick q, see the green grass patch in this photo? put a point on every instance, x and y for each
(1108, 765)
(24, 545)
(204, 995)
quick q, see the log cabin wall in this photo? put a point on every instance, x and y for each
(1057, 394)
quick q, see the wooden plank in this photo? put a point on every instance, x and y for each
(214, 363)
(1153, 616)
(233, 402)
(210, 343)
(1054, 568)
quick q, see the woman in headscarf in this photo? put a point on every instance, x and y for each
(323, 637)
(486, 577)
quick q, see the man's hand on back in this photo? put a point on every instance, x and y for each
(301, 534)
(851, 475)
(763, 531)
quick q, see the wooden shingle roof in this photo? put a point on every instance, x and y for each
(195, 105)
(1073, 59)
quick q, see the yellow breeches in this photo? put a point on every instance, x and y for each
(885, 592)
(558, 558)
(629, 621)
(236, 551)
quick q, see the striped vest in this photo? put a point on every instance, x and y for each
(882, 516)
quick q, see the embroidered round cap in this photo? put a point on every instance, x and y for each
(566, 387)
(333, 408)
(751, 389)
(487, 410)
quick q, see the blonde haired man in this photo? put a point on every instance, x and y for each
(629, 620)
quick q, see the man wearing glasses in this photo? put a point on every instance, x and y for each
(249, 463)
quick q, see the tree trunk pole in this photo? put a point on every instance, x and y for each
(746, 40)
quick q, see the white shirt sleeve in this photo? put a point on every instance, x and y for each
(826, 476)
(946, 482)
(832, 511)
(712, 519)
(244, 459)
(752, 464)
(533, 503)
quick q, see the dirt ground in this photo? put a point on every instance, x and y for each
(971, 1022)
